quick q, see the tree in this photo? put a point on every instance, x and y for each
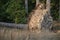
(37, 2)
(26, 6)
(59, 11)
(48, 5)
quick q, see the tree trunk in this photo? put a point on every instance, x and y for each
(26, 6)
(59, 11)
(48, 5)
(37, 2)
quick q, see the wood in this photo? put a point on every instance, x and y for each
(37, 2)
(59, 11)
(26, 6)
(13, 25)
(48, 5)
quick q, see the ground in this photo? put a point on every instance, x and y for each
(7, 33)
(18, 34)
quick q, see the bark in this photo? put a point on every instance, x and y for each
(13, 25)
(59, 11)
(37, 2)
(26, 6)
(48, 5)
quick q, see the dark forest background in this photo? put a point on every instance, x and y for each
(13, 11)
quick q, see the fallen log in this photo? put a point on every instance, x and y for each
(13, 25)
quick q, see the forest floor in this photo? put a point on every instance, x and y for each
(17, 34)
(20, 34)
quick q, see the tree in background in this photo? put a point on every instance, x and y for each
(37, 2)
(26, 6)
(14, 10)
(59, 10)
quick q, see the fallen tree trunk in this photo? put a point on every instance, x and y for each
(13, 25)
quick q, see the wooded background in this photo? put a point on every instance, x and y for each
(13, 11)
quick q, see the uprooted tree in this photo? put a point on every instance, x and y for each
(40, 17)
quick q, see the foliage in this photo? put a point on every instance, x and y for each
(13, 11)
(55, 9)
